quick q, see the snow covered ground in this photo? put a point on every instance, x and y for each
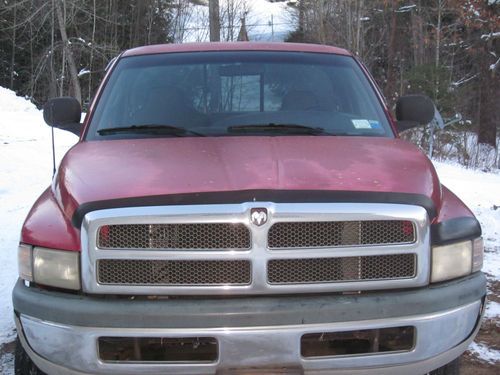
(480, 191)
(26, 170)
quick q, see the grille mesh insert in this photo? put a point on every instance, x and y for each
(340, 233)
(327, 270)
(174, 236)
(174, 272)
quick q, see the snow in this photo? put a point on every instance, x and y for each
(262, 14)
(266, 21)
(485, 353)
(462, 81)
(492, 310)
(83, 72)
(12, 103)
(494, 66)
(490, 35)
(7, 364)
(474, 10)
(25, 171)
(480, 192)
(406, 8)
(26, 168)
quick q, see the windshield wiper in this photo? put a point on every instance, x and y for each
(295, 128)
(150, 128)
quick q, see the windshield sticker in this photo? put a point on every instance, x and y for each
(375, 124)
(361, 124)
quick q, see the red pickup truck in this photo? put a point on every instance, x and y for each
(240, 208)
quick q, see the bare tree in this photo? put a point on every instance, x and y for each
(77, 92)
(13, 57)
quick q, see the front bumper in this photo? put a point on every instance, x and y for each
(254, 334)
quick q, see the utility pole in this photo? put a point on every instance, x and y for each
(272, 28)
(214, 20)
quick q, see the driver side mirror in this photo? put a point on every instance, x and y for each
(63, 113)
(413, 111)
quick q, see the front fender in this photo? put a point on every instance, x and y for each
(47, 226)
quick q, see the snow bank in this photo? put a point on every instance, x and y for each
(25, 171)
(9, 102)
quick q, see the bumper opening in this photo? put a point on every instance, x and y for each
(368, 341)
(158, 349)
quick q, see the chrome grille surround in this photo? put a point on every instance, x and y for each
(259, 255)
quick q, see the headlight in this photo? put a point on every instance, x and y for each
(456, 260)
(49, 267)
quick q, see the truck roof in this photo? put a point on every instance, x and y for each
(235, 46)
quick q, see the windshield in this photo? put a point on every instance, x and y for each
(237, 93)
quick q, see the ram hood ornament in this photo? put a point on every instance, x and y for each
(258, 216)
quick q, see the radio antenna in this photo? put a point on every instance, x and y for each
(53, 153)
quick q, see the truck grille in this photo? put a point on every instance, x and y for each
(174, 236)
(174, 272)
(203, 250)
(288, 235)
(328, 270)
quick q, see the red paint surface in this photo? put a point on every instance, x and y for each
(102, 170)
(234, 46)
(47, 226)
(452, 207)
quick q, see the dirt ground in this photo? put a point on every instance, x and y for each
(470, 366)
(489, 335)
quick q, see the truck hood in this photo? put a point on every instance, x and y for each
(100, 171)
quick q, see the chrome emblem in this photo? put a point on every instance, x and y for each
(258, 216)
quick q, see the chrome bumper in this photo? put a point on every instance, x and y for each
(440, 337)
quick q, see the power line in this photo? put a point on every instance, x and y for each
(238, 26)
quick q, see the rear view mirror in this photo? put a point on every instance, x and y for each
(63, 113)
(414, 110)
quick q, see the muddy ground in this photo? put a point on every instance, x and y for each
(489, 335)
